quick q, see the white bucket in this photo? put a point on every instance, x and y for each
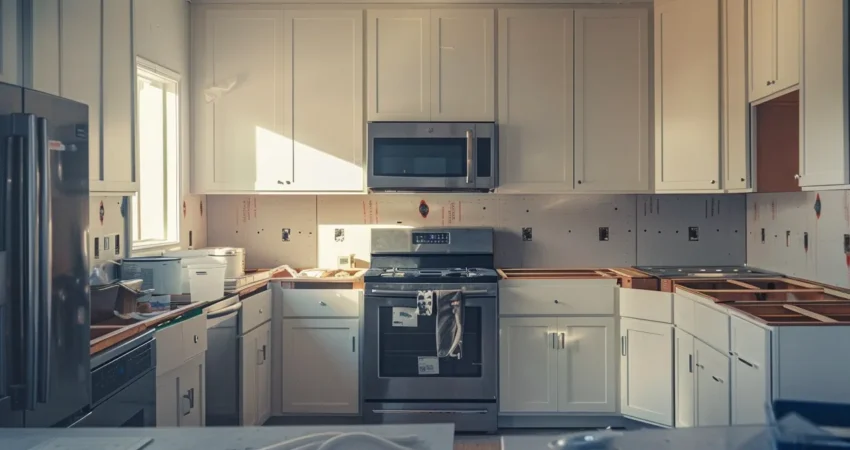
(206, 281)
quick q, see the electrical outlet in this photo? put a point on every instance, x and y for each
(526, 234)
(603, 234)
(106, 242)
(116, 244)
(96, 248)
(693, 233)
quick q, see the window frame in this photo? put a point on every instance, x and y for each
(170, 81)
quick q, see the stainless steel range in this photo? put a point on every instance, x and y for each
(404, 379)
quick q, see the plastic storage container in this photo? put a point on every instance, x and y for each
(206, 281)
(160, 273)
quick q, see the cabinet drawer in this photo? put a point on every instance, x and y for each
(256, 309)
(321, 302)
(712, 327)
(683, 313)
(557, 297)
(647, 305)
(194, 336)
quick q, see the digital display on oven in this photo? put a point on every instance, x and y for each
(431, 238)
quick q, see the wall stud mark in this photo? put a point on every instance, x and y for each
(787, 238)
(847, 243)
(806, 242)
(762, 235)
(285, 234)
(526, 234)
(693, 234)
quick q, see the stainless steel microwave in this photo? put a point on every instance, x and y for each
(432, 156)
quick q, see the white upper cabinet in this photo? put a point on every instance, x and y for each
(323, 99)
(687, 95)
(80, 69)
(399, 56)
(823, 95)
(10, 44)
(120, 164)
(611, 100)
(646, 370)
(736, 138)
(463, 65)
(239, 113)
(431, 65)
(253, 133)
(535, 100)
(774, 46)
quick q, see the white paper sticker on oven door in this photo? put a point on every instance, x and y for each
(429, 365)
(404, 317)
(425, 303)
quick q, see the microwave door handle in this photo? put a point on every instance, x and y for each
(470, 156)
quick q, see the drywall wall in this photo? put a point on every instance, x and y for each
(792, 220)
(311, 231)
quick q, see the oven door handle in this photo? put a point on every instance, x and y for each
(470, 156)
(430, 411)
(390, 293)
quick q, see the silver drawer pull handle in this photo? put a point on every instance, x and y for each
(430, 411)
(261, 310)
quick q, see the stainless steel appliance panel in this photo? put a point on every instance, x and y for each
(379, 388)
(460, 241)
(481, 418)
(223, 401)
(451, 156)
(64, 362)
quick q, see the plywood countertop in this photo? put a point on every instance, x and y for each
(626, 276)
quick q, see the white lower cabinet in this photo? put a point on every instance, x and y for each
(646, 371)
(320, 365)
(256, 376)
(557, 364)
(750, 372)
(685, 394)
(180, 395)
(712, 381)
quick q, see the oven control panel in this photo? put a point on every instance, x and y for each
(431, 238)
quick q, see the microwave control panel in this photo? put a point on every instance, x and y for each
(431, 238)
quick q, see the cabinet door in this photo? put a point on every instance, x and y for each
(536, 100)
(264, 373)
(314, 354)
(323, 76)
(191, 391)
(119, 155)
(787, 44)
(528, 364)
(823, 94)
(80, 67)
(750, 372)
(167, 400)
(687, 120)
(736, 117)
(462, 65)
(586, 361)
(762, 45)
(712, 380)
(685, 394)
(249, 389)
(612, 93)
(45, 45)
(646, 371)
(10, 44)
(398, 55)
(240, 144)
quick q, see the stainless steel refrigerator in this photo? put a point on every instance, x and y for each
(45, 376)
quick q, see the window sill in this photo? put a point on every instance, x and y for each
(154, 248)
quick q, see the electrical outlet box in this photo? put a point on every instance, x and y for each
(116, 245)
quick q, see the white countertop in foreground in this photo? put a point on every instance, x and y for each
(433, 437)
(705, 438)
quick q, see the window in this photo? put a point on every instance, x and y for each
(156, 213)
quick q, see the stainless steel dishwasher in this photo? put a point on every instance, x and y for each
(223, 362)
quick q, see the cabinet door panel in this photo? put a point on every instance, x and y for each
(240, 97)
(528, 364)
(586, 376)
(399, 55)
(749, 393)
(536, 100)
(685, 395)
(646, 370)
(736, 141)
(167, 404)
(323, 75)
(787, 44)
(687, 119)
(611, 93)
(314, 353)
(250, 390)
(10, 44)
(191, 392)
(462, 65)
(712, 386)
(80, 65)
(762, 45)
(119, 155)
(823, 94)
(264, 373)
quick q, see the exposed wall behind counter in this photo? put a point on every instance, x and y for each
(787, 220)
(302, 231)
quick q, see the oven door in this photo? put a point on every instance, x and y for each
(432, 156)
(400, 362)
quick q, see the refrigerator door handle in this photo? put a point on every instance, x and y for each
(44, 268)
(29, 233)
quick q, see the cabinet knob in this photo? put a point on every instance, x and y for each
(797, 176)
(195, 338)
(713, 181)
(743, 179)
(261, 309)
(283, 182)
(556, 301)
(767, 84)
(579, 181)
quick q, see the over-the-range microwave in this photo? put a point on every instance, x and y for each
(432, 156)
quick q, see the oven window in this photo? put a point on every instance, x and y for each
(137, 421)
(399, 348)
(427, 157)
